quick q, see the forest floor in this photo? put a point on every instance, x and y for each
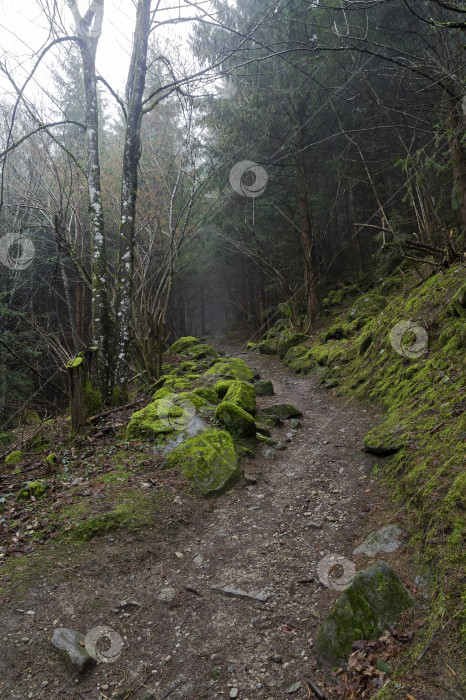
(199, 643)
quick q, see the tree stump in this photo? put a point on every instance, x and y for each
(85, 398)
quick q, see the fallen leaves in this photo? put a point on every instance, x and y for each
(369, 665)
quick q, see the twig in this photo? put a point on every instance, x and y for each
(316, 691)
(170, 690)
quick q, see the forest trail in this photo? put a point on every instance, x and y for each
(253, 538)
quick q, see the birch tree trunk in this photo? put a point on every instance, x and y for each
(132, 150)
(88, 28)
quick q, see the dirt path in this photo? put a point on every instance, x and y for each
(253, 538)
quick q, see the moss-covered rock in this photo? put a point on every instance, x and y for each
(385, 439)
(287, 340)
(202, 351)
(222, 386)
(231, 368)
(183, 344)
(157, 418)
(208, 461)
(161, 393)
(264, 387)
(189, 366)
(193, 397)
(372, 602)
(34, 489)
(208, 394)
(235, 419)
(243, 395)
(14, 457)
(250, 347)
(269, 346)
(282, 411)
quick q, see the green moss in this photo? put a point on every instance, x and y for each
(183, 344)
(5, 438)
(128, 514)
(76, 362)
(194, 398)
(424, 419)
(269, 346)
(177, 383)
(201, 351)
(208, 394)
(14, 457)
(92, 399)
(162, 393)
(34, 489)
(287, 340)
(208, 461)
(236, 420)
(50, 459)
(250, 347)
(385, 439)
(243, 395)
(373, 600)
(31, 417)
(189, 366)
(157, 418)
(117, 396)
(222, 386)
(231, 368)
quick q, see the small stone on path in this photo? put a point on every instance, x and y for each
(234, 693)
(294, 688)
(71, 645)
(166, 595)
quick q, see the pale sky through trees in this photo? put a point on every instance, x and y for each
(24, 30)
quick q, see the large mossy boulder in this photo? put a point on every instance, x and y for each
(231, 368)
(184, 344)
(372, 602)
(287, 340)
(243, 395)
(157, 418)
(282, 411)
(268, 346)
(208, 461)
(202, 351)
(235, 419)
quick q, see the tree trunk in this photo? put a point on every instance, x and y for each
(85, 398)
(89, 29)
(132, 150)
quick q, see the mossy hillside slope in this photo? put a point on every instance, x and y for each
(423, 392)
